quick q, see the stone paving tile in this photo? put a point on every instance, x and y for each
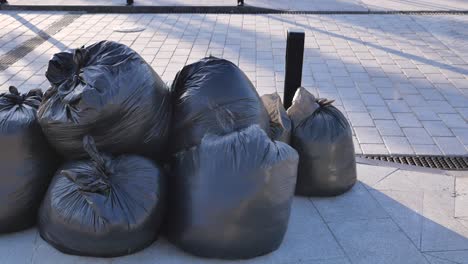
(375, 241)
(397, 145)
(461, 197)
(441, 231)
(451, 257)
(367, 135)
(405, 208)
(426, 149)
(359, 61)
(17, 247)
(450, 146)
(357, 204)
(370, 175)
(360, 119)
(45, 253)
(374, 148)
(407, 120)
(437, 128)
(388, 128)
(418, 136)
(415, 180)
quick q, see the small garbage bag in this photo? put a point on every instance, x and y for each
(108, 91)
(213, 96)
(27, 163)
(280, 124)
(230, 197)
(103, 207)
(322, 136)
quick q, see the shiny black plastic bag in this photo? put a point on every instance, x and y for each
(323, 138)
(213, 96)
(108, 91)
(231, 195)
(27, 163)
(103, 207)
(280, 124)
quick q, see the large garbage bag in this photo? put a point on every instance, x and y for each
(213, 96)
(231, 195)
(108, 91)
(323, 138)
(103, 207)
(280, 124)
(27, 163)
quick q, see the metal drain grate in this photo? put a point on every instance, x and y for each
(435, 162)
(14, 55)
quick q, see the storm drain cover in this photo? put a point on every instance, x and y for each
(429, 161)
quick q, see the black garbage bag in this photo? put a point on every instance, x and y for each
(27, 163)
(103, 207)
(280, 124)
(213, 96)
(323, 138)
(108, 91)
(231, 195)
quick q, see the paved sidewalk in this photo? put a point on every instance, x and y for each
(401, 80)
(299, 5)
(391, 216)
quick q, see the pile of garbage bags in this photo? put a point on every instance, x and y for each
(110, 157)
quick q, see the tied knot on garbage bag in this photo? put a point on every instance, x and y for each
(27, 163)
(32, 98)
(96, 183)
(110, 92)
(322, 136)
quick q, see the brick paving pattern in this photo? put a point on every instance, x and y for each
(400, 80)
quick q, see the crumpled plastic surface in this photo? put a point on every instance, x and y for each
(322, 136)
(231, 195)
(108, 91)
(27, 163)
(280, 124)
(213, 96)
(103, 207)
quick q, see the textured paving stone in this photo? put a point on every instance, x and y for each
(414, 64)
(376, 241)
(357, 204)
(17, 247)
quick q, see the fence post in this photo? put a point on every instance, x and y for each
(293, 66)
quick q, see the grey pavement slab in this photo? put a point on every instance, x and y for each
(406, 209)
(357, 204)
(17, 247)
(376, 241)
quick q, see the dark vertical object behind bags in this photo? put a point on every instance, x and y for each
(105, 206)
(280, 124)
(322, 136)
(27, 163)
(213, 96)
(108, 91)
(231, 195)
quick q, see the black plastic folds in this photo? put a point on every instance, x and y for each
(231, 195)
(213, 96)
(27, 163)
(103, 207)
(323, 138)
(280, 124)
(108, 91)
